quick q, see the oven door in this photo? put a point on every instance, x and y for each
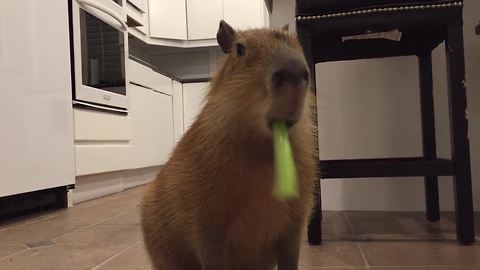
(100, 47)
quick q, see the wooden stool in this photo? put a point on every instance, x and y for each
(333, 30)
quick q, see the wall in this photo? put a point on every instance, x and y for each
(370, 108)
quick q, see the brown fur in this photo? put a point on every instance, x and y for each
(213, 198)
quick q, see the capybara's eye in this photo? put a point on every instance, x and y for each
(240, 50)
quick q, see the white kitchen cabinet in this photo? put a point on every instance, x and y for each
(137, 10)
(178, 128)
(244, 14)
(101, 141)
(194, 95)
(145, 76)
(138, 4)
(203, 18)
(168, 19)
(151, 117)
(36, 138)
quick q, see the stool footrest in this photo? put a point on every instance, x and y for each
(385, 167)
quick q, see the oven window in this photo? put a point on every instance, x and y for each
(103, 55)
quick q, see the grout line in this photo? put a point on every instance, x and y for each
(35, 220)
(364, 257)
(349, 223)
(16, 253)
(115, 256)
(87, 226)
(357, 244)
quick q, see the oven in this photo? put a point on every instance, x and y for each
(100, 50)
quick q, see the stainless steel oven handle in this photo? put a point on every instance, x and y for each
(95, 4)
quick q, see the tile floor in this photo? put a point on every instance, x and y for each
(105, 234)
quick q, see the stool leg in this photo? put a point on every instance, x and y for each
(457, 93)
(428, 133)
(315, 223)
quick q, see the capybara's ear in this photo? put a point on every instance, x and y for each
(225, 36)
(285, 27)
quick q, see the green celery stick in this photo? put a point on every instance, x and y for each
(286, 185)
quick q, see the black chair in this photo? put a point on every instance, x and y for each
(333, 30)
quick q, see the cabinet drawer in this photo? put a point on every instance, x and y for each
(93, 159)
(145, 76)
(161, 83)
(100, 126)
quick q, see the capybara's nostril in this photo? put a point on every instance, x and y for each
(278, 78)
(293, 71)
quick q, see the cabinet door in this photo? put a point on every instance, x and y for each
(193, 100)
(244, 14)
(203, 18)
(152, 127)
(168, 19)
(177, 111)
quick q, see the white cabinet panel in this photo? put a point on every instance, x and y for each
(100, 126)
(194, 95)
(36, 138)
(177, 111)
(244, 14)
(139, 4)
(93, 159)
(152, 127)
(203, 17)
(145, 76)
(168, 19)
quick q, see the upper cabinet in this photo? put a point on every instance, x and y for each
(194, 23)
(168, 19)
(203, 17)
(244, 14)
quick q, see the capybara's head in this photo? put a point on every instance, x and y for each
(265, 76)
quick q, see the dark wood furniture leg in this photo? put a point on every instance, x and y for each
(457, 93)
(428, 133)
(315, 223)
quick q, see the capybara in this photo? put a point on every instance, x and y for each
(211, 206)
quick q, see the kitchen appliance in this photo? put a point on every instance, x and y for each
(100, 48)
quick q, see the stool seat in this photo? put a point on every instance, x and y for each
(323, 7)
(362, 29)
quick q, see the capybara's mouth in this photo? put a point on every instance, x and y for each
(290, 123)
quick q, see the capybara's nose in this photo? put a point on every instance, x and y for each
(292, 71)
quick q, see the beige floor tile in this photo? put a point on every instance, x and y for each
(420, 253)
(134, 258)
(129, 234)
(398, 226)
(42, 230)
(427, 268)
(25, 220)
(131, 217)
(330, 268)
(62, 257)
(8, 250)
(331, 254)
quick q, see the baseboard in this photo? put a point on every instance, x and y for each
(98, 185)
(25, 203)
